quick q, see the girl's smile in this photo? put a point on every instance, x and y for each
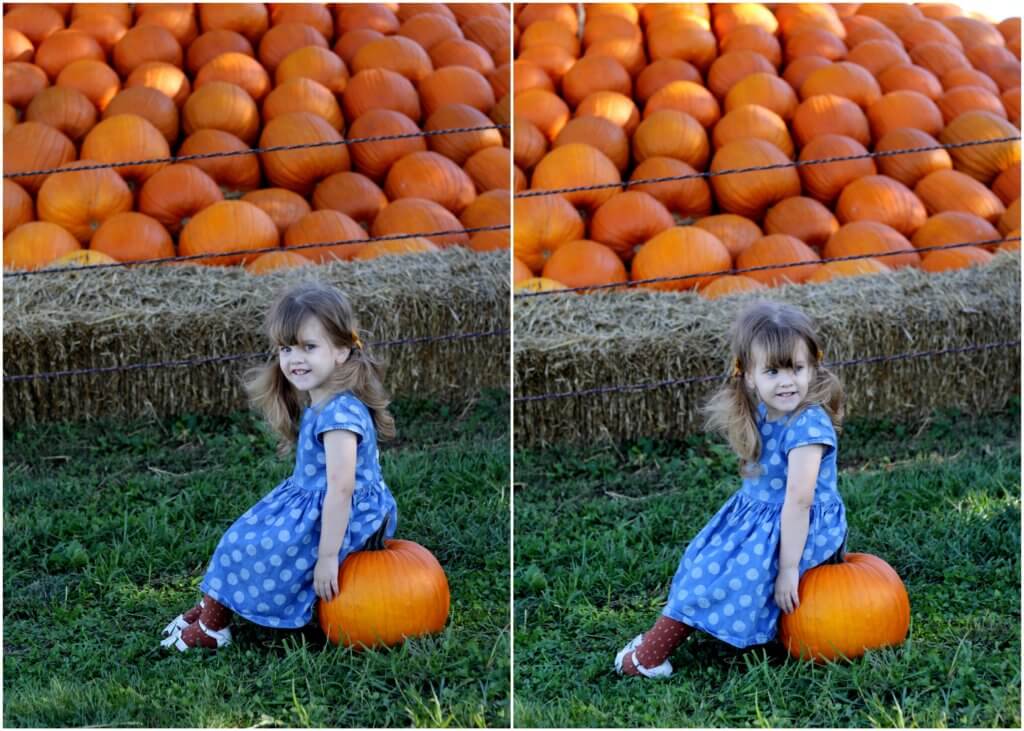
(781, 388)
(309, 364)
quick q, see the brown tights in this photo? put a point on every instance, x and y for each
(214, 615)
(659, 642)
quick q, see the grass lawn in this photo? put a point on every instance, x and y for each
(599, 531)
(108, 528)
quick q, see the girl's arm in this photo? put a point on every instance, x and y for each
(340, 447)
(803, 465)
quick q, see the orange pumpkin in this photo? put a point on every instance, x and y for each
(927, 30)
(751, 194)
(520, 272)
(377, 16)
(939, 58)
(753, 121)
(680, 252)
(852, 268)
(17, 46)
(419, 216)
(301, 169)
(178, 19)
(164, 78)
(909, 168)
(155, 107)
(882, 199)
(316, 63)
(774, 250)
(843, 79)
(303, 95)
(671, 133)
(611, 105)
(687, 197)
(390, 590)
(1007, 185)
(599, 133)
(324, 226)
(18, 207)
(274, 261)
(829, 114)
(223, 106)
(550, 33)
(37, 23)
(683, 38)
(459, 147)
(872, 239)
(213, 43)
(814, 42)
(232, 173)
(802, 218)
(765, 90)
(753, 38)
(429, 29)
(797, 70)
(80, 201)
(626, 221)
(350, 193)
(284, 207)
(578, 165)
(529, 145)
(954, 227)
(846, 608)
(687, 97)
(951, 190)
(736, 232)
(374, 249)
(228, 226)
(594, 73)
(282, 39)
(64, 46)
(541, 225)
(239, 69)
(176, 193)
(489, 168)
(64, 109)
(97, 81)
(982, 162)
(899, 109)
(35, 146)
(861, 28)
(374, 159)
(394, 53)
(10, 117)
(908, 77)
(146, 43)
(584, 263)
(968, 77)
(124, 138)
(961, 99)
(430, 176)
(315, 15)
(455, 85)
(36, 244)
(877, 55)
(947, 259)
(1010, 220)
(22, 81)
(461, 52)
(380, 89)
(349, 43)
(728, 285)
(661, 73)
(249, 19)
(131, 236)
(82, 258)
(734, 66)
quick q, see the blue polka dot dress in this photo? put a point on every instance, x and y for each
(263, 566)
(725, 582)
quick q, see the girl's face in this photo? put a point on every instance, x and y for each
(781, 389)
(309, 363)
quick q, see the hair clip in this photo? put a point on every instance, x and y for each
(356, 341)
(736, 370)
(821, 355)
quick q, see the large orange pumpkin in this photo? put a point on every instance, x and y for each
(951, 190)
(420, 216)
(829, 114)
(542, 224)
(751, 194)
(284, 207)
(380, 89)
(152, 105)
(239, 69)
(845, 609)
(909, 168)
(353, 194)
(36, 244)
(163, 77)
(776, 249)
(766, 90)
(626, 221)
(687, 197)
(224, 106)
(389, 591)
(679, 253)
(871, 238)
(457, 147)
(131, 236)
(80, 201)
(64, 109)
(301, 169)
(320, 227)
(127, 138)
(802, 218)
(228, 226)
(18, 208)
(303, 95)
(213, 43)
(374, 159)
(736, 232)
(432, 177)
(578, 165)
(882, 199)
(671, 133)
(176, 193)
(982, 162)
(34, 146)
(232, 173)
(273, 261)
(584, 263)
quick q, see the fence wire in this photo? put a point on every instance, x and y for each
(638, 387)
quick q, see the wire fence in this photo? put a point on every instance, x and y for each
(768, 267)
(703, 378)
(762, 168)
(206, 360)
(259, 150)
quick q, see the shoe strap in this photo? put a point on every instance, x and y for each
(646, 672)
(222, 636)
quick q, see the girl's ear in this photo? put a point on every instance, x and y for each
(342, 356)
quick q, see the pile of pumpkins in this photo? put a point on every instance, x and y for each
(615, 92)
(88, 83)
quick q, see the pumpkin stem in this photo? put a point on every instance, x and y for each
(376, 541)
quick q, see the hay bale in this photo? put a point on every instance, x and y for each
(566, 342)
(92, 319)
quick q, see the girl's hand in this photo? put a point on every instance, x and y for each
(787, 584)
(325, 577)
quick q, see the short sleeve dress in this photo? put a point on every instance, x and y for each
(725, 582)
(263, 566)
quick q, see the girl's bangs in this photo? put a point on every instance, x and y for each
(779, 346)
(286, 322)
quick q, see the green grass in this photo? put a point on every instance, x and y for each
(599, 532)
(108, 528)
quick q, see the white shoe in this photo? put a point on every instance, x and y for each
(179, 623)
(661, 671)
(222, 636)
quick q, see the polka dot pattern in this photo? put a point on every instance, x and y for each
(262, 569)
(725, 582)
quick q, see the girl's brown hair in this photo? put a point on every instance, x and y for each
(775, 329)
(362, 374)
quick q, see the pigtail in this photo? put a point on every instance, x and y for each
(732, 414)
(368, 387)
(281, 405)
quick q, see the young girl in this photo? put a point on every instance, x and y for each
(324, 397)
(780, 410)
